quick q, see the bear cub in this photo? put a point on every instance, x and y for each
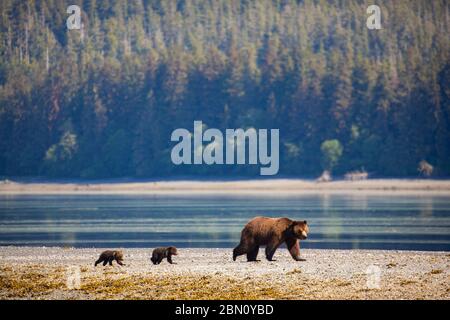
(160, 253)
(109, 256)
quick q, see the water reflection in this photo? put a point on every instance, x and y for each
(426, 207)
(336, 221)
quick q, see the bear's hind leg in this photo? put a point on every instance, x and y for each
(252, 254)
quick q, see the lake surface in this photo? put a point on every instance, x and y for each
(336, 221)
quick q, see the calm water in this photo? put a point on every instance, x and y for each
(336, 221)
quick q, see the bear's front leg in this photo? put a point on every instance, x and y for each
(293, 246)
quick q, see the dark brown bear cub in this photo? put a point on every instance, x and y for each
(160, 253)
(109, 256)
(271, 232)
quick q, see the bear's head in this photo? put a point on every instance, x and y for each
(118, 255)
(300, 229)
(173, 250)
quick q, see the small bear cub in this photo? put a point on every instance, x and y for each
(109, 256)
(160, 253)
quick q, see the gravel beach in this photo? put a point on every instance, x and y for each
(272, 187)
(68, 273)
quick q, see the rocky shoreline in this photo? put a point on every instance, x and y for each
(68, 273)
(264, 187)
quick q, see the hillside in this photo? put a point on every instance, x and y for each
(102, 101)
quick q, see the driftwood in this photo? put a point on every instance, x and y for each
(425, 168)
(356, 175)
(325, 177)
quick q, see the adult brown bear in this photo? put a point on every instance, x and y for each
(271, 232)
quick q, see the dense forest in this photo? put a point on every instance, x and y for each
(102, 101)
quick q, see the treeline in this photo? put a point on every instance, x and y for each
(102, 101)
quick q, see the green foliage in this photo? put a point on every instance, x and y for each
(58, 157)
(140, 69)
(62, 151)
(331, 153)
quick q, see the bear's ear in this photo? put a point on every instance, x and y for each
(305, 222)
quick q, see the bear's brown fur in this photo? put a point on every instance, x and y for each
(160, 253)
(109, 256)
(271, 232)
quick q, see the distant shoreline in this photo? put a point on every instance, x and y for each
(240, 187)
